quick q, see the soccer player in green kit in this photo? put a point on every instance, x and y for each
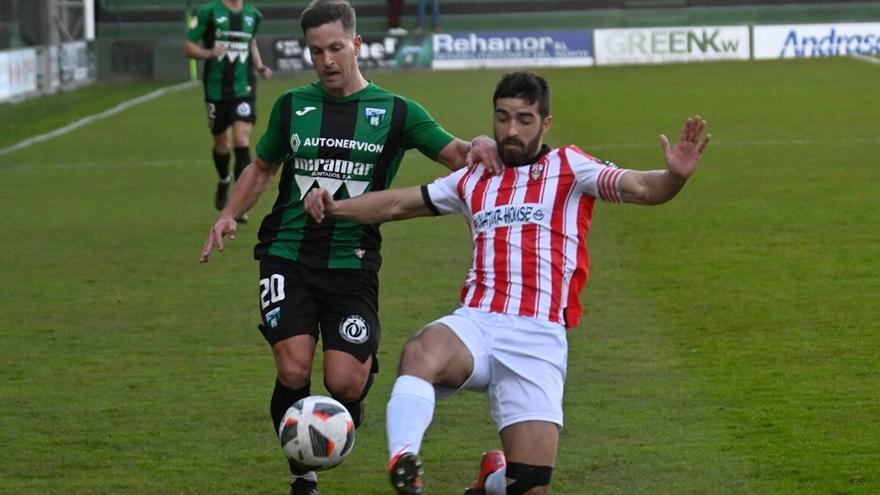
(226, 30)
(348, 135)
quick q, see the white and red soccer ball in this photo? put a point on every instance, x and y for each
(316, 433)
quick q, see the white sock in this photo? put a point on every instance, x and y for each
(496, 483)
(408, 414)
(308, 476)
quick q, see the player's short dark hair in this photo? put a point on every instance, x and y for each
(525, 85)
(321, 12)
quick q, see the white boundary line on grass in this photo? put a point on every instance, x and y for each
(98, 116)
(865, 58)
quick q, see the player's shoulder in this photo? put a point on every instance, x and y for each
(380, 92)
(307, 91)
(453, 177)
(251, 9)
(375, 93)
(577, 156)
(209, 7)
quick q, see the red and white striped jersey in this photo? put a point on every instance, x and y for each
(529, 228)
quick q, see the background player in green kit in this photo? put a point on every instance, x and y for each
(226, 30)
(347, 135)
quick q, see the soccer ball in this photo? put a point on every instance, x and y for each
(316, 433)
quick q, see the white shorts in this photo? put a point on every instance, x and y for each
(521, 362)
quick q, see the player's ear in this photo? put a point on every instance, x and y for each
(545, 125)
(358, 40)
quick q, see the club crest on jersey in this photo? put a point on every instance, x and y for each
(249, 20)
(354, 329)
(536, 170)
(375, 116)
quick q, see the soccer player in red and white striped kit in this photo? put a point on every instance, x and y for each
(530, 262)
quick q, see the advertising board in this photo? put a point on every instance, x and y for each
(547, 48)
(816, 40)
(671, 44)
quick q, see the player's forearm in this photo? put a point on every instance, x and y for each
(381, 206)
(454, 154)
(653, 187)
(248, 188)
(258, 60)
(194, 51)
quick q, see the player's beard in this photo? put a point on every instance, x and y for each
(514, 152)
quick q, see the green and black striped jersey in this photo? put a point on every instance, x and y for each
(348, 146)
(231, 76)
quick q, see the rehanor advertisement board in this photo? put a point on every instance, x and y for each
(671, 44)
(18, 73)
(816, 40)
(547, 48)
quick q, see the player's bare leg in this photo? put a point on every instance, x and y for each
(435, 355)
(347, 379)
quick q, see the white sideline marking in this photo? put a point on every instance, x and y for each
(98, 116)
(865, 58)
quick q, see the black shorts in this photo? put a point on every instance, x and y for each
(221, 114)
(339, 305)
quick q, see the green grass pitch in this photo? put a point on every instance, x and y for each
(730, 344)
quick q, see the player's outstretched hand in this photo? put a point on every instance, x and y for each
(265, 72)
(317, 203)
(485, 150)
(682, 159)
(225, 226)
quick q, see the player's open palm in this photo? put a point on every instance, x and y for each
(683, 158)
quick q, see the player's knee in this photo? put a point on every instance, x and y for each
(294, 375)
(221, 144)
(414, 358)
(528, 479)
(425, 355)
(354, 405)
(349, 388)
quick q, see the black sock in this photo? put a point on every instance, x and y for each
(242, 159)
(221, 163)
(356, 409)
(282, 399)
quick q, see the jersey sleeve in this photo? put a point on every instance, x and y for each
(442, 196)
(258, 19)
(198, 24)
(423, 132)
(595, 177)
(274, 146)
